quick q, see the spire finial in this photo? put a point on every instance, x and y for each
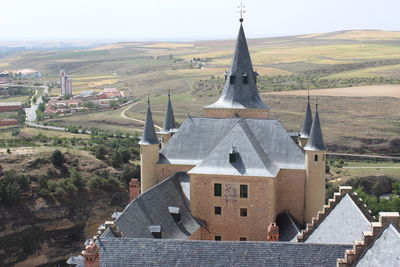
(316, 103)
(308, 95)
(169, 94)
(241, 11)
(148, 98)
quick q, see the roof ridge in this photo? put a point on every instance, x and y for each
(268, 163)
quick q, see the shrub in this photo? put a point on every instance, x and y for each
(125, 155)
(57, 158)
(100, 152)
(116, 160)
(76, 178)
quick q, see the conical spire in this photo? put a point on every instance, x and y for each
(316, 141)
(169, 121)
(149, 136)
(307, 122)
(240, 90)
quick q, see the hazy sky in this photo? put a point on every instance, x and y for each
(188, 19)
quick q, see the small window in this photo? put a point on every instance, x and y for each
(232, 79)
(232, 157)
(217, 238)
(217, 190)
(316, 157)
(217, 210)
(243, 212)
(245, 79)
(243, 191)
(243, 239)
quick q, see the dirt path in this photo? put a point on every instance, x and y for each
(123, 114)
(357, 91)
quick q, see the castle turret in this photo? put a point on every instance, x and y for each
(315, 170)
(169, 123)
(240, 94)
(306, 127)
(149, 148)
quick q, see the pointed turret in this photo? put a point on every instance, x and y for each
(149, 136)
(315, 162)
(169, 121)
(306, 127)
(316, 141)
(149, 153)
(240, 91)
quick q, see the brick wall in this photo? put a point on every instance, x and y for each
(8, 122)
(9, 108)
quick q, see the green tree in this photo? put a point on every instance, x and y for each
(76, 178)
(125, 155)
(116, 160)
(57, 158)
(101, 152)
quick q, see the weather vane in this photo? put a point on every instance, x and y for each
(241, 11)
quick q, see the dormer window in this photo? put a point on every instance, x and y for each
(226, 75)
(155, 231)
(175, 213)
(245, 78)
(232, 79)
(233, 155)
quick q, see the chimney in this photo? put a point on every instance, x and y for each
(91, 255)
(273, 232)
(155, 231)
(175, 213)
(134, 189)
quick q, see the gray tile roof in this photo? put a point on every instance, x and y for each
(197, 137)
(385, 250)
(307, 122)
(160, 252)
(288, 227)
(251, 158)
(151, 208)
(343, 225)
(169, 121)
(316, 141)
(240, 95)
(149, 136)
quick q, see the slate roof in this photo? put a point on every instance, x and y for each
(151, 208)
(288, 227)
(385, 250)
(307, 122)
(149, 136)
(343, 225)
(169, 121)
(316, 141)
(161, 252)
(251, 158)
(240, 95)
(198, 137)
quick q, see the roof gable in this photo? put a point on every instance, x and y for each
(385, 250)
(251, 158)
(344, 224)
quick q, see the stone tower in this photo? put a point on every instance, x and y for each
(306, 127)
(169, 123)
(315, 157)
(149, 149)
(240, 94)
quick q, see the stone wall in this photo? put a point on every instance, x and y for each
(260, 204)
(290, 193)
(166, 170)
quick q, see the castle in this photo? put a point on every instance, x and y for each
(237, 175)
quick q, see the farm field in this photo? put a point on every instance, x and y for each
(356, 91)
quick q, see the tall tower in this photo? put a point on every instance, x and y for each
(169, 122)
(306, 127)
(315, 170)
(62, 81)
(68, 87)
(240, 95)
(149, 153)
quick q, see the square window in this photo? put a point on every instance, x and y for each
(217, 190)
(243, 191)
(243, 212)
(243, 239)
(217, 210)
(217, 238)
(316, 157)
